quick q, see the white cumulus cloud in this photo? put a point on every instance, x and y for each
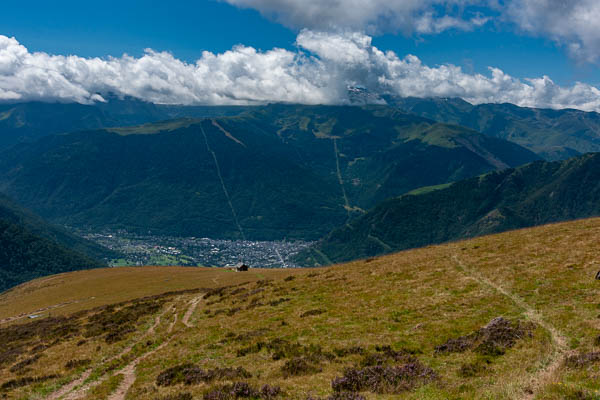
(572, 23)
(374, 16)
(318, 72)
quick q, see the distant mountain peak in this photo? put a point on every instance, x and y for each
(360, 95)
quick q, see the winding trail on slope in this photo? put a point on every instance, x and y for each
(190, 311)
(74, 390)
(128, 371)
(68, 388)
(40, 310)
(559, 341)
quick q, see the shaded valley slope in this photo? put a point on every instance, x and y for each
(30, 247)
(534, 194)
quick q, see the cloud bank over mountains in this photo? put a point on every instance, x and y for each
(319, 71)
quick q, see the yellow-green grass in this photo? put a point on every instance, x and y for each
(70, 292)
(413, 300)
(155, 127)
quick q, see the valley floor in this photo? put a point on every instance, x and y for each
(164, 250)
(509, 316)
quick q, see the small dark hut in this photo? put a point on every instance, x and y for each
(241, 267)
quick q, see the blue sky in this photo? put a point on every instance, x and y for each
(329, 46)
(186, 28)
(110, 27)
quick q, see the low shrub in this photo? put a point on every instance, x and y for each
(310, 313)
(298, 366)
(282, 349)
(491, 340)
(191, 374)
(469, 370)
(26, 381)
(279, 301)
(583, 360)
(178, 396)
(384, 355)
(72, 364)
(384, 380)
(21, 365)
(242, 390)
(347, 351)
(340, 396)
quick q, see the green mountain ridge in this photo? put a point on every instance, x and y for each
(26, 122)
(553, 134)
(280, 171)
(534, 194)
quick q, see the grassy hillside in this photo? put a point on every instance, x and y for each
(509, 316)
(530, 195)
(276, 172)
(553, 134)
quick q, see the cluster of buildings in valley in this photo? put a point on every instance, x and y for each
(191, 251)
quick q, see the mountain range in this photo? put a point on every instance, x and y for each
(28, 121)
(552, 134)
(279, 171)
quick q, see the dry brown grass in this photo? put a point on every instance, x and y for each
(413, 301)
(82, 290)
